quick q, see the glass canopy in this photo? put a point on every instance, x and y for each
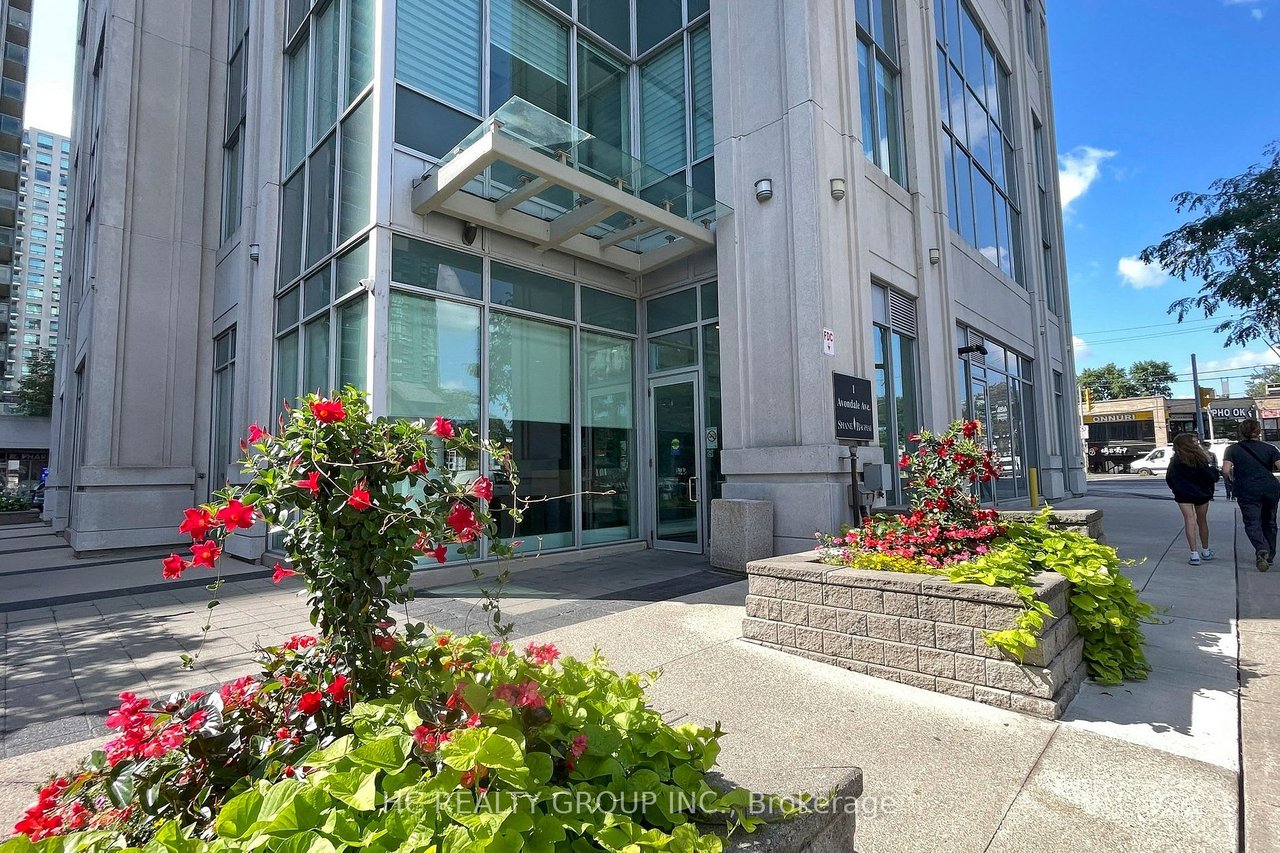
(527, 173)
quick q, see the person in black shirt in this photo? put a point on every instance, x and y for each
(1192, 479)
(1250, 464)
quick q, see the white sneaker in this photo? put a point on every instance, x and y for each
(1195, 559)
(1207, 554)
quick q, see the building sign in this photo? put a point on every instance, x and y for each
(1232, 412)
(854, 416)
(828, 342)
(1119, 417)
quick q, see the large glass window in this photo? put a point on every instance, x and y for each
(528, 57)
(531, 414)
(999, 395)
(607, 398)
(434, 267)
(880, 87)
(609, 19)
(439, 51)
(357, 171)
(224, 376)
(897, 389)
(433, 355)
(604, 96)
(978, 122)
(1048, 219)
(233, 136)
(663, 112)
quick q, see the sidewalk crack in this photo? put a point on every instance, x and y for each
(1022, 787)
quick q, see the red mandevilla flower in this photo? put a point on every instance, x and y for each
(309, 483)
(309, 703)
(196, 522)
(236, 515)
(174, 566)
(359, 499)
(205, 554)
(256, 433)
(442, 428)
(328, 411)
(419, 466)
(338, 689)
(281, 573)
(483, 489)
(462, 520)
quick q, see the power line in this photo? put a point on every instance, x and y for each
(1214, 320)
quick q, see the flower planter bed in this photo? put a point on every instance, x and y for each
(917, 629)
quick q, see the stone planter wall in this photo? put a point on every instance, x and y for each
(920, 630)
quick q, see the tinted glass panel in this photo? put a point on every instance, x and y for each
(678, 309)
(435, 267)
(609, 19)
(433, 355)
(429, 126)
(528, 57)
(607, 310)
(439, 50)
(530, 291)
(320, 199)
(608, 438)
(655, 20)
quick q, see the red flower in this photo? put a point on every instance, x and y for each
(970, 429)
(328, 411)
(384, 642)
(483, 489)
(281, 573)
(541, 655)
(310, 483)
(298, 642)
(337, 689)
(905, 461)
(463, 522)
(442, 428)
(440, 552)
(174, 566)
(419, 466)
(309, 703)
(236, 515)
(256, 433)
(205, 554)
(196, 522)
(359, 499)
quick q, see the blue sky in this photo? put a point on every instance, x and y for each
(1153, 97)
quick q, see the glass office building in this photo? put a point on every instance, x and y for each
(632, 240)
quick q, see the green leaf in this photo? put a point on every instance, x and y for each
(358, 789)
(120, 791)
(306, 842)
(389, 753)
(238, 815)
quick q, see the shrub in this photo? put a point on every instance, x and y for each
(476, 747)
(948, 533)
(14, 503)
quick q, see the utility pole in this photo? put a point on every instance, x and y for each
(1195, 384)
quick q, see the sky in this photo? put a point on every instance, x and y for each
(1153, 97)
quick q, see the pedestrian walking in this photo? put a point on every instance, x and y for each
(1192, 478)
(1249, 466)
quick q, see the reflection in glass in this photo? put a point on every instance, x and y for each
(438, 50)
(675, 350)
(320, 193)
(530, 291)
(657, 20)
(675, 437)
(608, 310)
(608, 438)
(287, 371)
(667, 312)
(325, 75)
(528, 57)
(604, 97)
(357, 171)
(436, 268)
(609, 19)
(315, 367)
(662, 111)
(531, 413)
(353, 343)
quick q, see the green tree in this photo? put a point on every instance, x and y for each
(1152, 378)
(35, 390)
(1109, 382)
(1261, 378)
(1234, 248)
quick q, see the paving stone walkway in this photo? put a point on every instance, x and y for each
(63, 665)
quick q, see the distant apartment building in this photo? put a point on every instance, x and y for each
(35, 293)
(15, 28)
(667, 251)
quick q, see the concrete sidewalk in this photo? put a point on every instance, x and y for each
(1151, 766)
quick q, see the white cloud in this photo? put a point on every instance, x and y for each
(1078, 169)
(1256, 14)
(1139, 275)
(1242, 360)
(1081, 347)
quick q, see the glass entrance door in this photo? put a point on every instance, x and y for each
(675, 420)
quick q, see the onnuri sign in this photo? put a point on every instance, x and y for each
(855, 420)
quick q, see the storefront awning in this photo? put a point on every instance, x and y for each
(529, 174)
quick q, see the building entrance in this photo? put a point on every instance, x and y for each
(678, 467)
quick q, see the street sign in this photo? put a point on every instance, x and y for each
(854, 416)
(828, 342)
(1119, 417)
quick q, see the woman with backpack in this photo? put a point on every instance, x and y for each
(1250, 465)
(1193, 479)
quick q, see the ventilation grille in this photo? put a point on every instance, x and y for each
(975, 340)
(902, 314)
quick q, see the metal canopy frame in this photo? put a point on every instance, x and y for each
(542, 150)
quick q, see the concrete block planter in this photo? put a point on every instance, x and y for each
(828, 831)
(920, 630)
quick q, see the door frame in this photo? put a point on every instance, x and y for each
(690, 377)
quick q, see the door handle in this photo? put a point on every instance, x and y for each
(693, 490)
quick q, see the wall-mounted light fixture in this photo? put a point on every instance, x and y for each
(255, 252)
(935, 257)
(469, 232)
(973, 349)
(764, 189)
(837, 188)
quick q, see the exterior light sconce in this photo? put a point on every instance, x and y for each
(255, 252)
(837, 188)
(764, 189)
(975, 349)
(935, 257)
(469, 232)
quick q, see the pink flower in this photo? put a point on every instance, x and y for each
(483, 489)
(281, 573)
(541, 655)
(442, 428)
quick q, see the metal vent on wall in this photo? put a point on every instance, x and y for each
(975, 340)
(902, 314)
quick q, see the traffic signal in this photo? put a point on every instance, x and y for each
(1206, 397)
(1088, 399)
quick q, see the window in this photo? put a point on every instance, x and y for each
(35, 309)
(44, 140)
(897, 396)
(43, 175)
(32, 325)
(879, 76)
(1048, 220)
(35, 293)
(44, 160)
(1062, 431)
(977, 142)
(39, 219)
(439, 52)
(33, 340)
(996, 391)
(223, 440)
(39, 234)
(528, 57)
(1031, 30)
(233, 142)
